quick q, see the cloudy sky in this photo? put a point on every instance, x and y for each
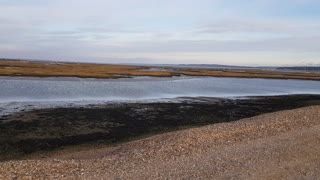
(242, 32)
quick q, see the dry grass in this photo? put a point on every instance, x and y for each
(84, 70)
(37, 69)
(255, 74)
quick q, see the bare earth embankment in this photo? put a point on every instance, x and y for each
(281, 145)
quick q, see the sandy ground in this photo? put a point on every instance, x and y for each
(282, 145)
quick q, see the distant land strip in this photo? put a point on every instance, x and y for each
(112, 71)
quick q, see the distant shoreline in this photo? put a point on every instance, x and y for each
(113, 71)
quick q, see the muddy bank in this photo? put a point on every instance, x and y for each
(50, 129)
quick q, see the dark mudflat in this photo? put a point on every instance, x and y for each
(51, 129)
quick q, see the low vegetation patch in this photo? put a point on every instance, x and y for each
(86, 70)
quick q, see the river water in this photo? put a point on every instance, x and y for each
(14, 89)
(23, 94)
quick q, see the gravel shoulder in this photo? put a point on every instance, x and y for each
(281, 145)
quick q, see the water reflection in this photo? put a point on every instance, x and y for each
(73, 89)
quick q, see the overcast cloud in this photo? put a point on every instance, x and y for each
(261, 32)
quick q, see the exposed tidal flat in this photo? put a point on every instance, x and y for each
(23, 133)
(40, 114)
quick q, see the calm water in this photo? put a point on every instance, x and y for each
(143, 88)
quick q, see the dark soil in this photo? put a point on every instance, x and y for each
(51, 129)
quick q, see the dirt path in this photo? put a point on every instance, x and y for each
(282, 145)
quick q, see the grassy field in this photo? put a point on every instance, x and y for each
(86, 70)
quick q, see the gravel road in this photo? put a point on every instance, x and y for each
(281, 145)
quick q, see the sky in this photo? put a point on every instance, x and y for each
(242, 32)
